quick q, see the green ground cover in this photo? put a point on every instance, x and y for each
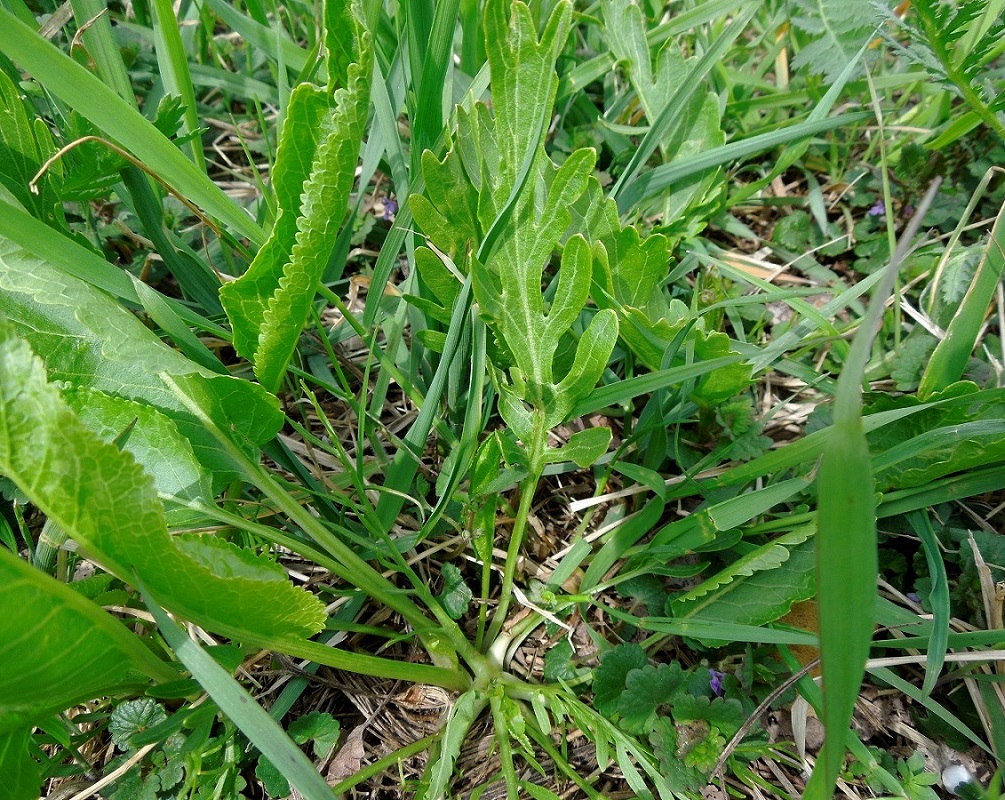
(489, 399)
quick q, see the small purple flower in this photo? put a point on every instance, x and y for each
(390, 208)
(715, 682)
(878, 210)
(913, 597)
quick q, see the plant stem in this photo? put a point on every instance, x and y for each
(528, 489)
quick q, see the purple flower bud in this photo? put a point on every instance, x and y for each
(715, 682)
(878, 210)
(390, 208)
(913, 597)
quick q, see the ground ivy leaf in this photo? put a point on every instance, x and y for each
(558, 664)
(456, 594)
(666, 747)
(320, 727)
(133, 717)
(725, 715)
(272, 779)
(646, 690)
(611, 674)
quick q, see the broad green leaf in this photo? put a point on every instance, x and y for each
(497, 194)
(631, 271)
(320, 728)
(315, 168)
(59, 648)
(582, 449)
(104, 500)
(767, 557)
(246, 299)
(655, 81)
(93, 343)
(952, 353)
(153, 439)
(22, 777)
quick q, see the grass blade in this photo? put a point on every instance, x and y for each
(253, 720)
(173, 63)
(952, 353)
(846, 537)
(655, 181)
(101, 106)
(939, 598)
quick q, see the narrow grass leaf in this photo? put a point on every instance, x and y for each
(846, 537)
(433, 85)
(173, 63)
(95, 31)
(253, 720)
(938, 598)
(108, 112)
(657, 180)
(951, 354)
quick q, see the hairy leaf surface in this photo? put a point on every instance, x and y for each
(104, 500)
(92, 343)
(839, 28)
